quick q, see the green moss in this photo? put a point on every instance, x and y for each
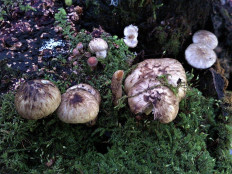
(197, 141)
(183, 146)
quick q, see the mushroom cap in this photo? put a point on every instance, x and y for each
(200, 56)
(78, 106)
(205, 37)
(132, 43)
(36, 99)
(98, 44)
(131, 30)
(92, 61)
(150, 93)
(152, 68)
(89, 89)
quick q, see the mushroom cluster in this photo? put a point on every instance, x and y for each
(148, 93)
(80, 104)
(200, 53)
(36, 99)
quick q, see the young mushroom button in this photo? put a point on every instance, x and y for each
(99, 47)
(36, 99)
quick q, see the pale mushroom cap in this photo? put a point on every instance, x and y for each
(200, 56)
(205, 37)
(78, 106)
(131, 34)
(131, 30)
(36, 99)
(88, 88)
(132, 43)
(152, 68)
(97, 45)
(150, 93)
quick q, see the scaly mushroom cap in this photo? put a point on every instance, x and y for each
(150, 95)
(205, 37)
(78, 106)
(200, 56)
(88, 88)
(97, 45)
(36, 99)
(152, 68)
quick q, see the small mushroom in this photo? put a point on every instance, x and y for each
(99, 47)
(205, 37)
(76, 52)
(92, 62)
(131, 34)
(80, 104)
(116, 86)
(147, 92)
(200, 56)
(36, 99)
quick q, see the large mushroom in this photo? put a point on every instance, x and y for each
(99, 47)
(36, 99)
(200, 56)
(150, 87)
(80, 104)
(206, 38)
(150, 95)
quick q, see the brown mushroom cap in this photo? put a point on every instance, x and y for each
(36, 99)
(200, 56)
(88, 88)
(152, 68)
(150, 95)
(78, 106)
(205, 37)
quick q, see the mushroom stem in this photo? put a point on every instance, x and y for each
(116, 86)
(101, 54)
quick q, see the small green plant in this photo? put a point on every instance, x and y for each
(8, 5)
(61, 20)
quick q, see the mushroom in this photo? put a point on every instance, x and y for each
(151, 68)
(131, 34)
(36, 99)
(150, 95)
(90, 89)
(116, 86)
(99, 47)
(92, 62)
(205, 37)
(200, 56)
(147, 91)
(80, 104)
